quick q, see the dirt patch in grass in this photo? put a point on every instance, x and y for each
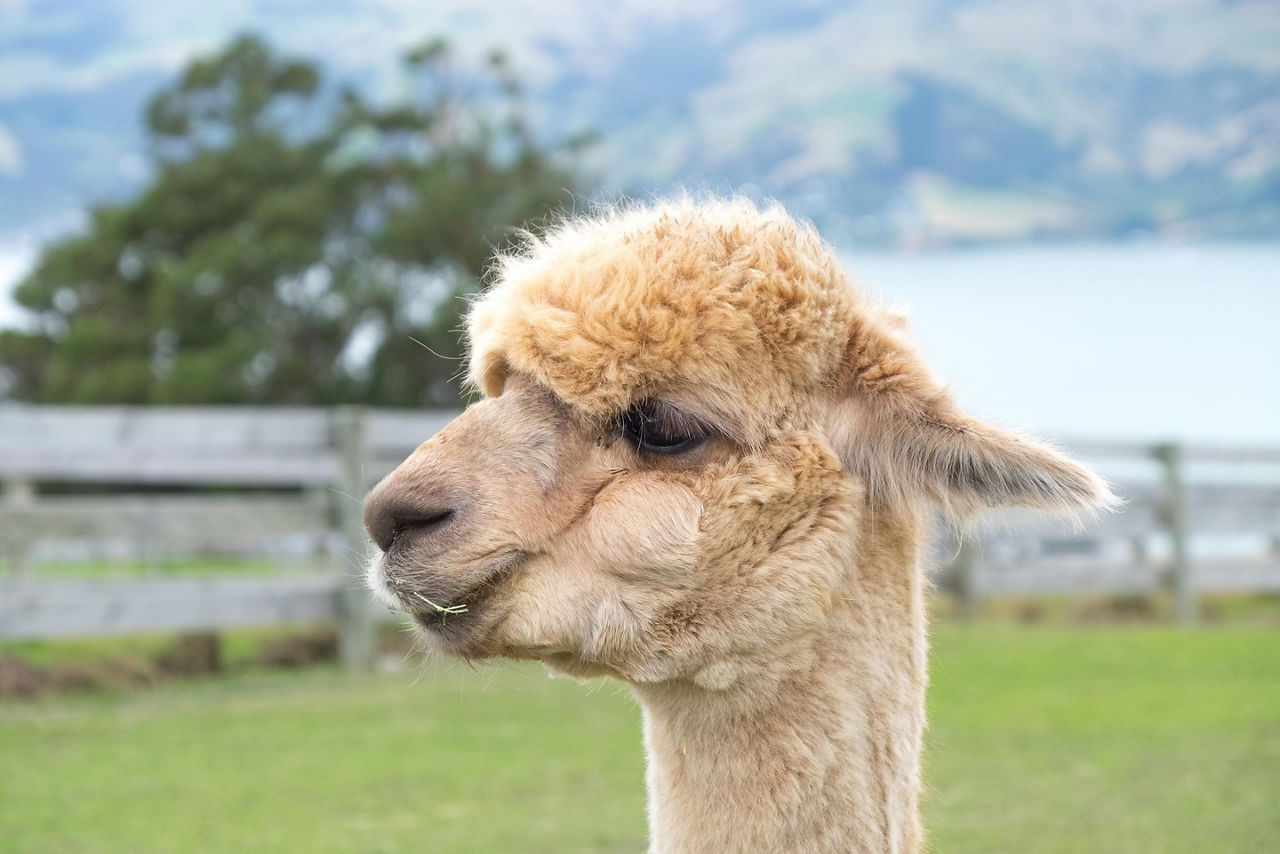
(18, 678)
(21, 679)
(300, 650)
(191, 655)
(1117, 609)
(184, 657)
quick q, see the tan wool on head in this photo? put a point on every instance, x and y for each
(706, 464)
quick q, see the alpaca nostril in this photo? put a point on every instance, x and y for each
(403, 507)
(416, 523)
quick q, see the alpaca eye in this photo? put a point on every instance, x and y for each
(659, 429)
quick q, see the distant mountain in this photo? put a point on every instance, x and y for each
(900, 121)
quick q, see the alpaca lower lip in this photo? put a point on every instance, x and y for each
(436, 619)
(460, 610)
(431, 612)
(439, 616)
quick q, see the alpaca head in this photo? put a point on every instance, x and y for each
(687, 411)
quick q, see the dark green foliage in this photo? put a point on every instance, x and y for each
(291, 244)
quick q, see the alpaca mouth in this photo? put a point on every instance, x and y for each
(461, 610)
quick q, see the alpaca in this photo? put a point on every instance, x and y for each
(704, 464)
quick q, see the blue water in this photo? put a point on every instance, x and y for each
(1141, 342)
(1093, 341)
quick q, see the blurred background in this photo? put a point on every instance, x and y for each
(236, 240)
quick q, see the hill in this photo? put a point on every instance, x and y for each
(915, 121)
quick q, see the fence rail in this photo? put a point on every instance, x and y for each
(155, 482)
(1189, 494)
(58, 608)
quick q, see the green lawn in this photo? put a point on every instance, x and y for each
(1042, 739)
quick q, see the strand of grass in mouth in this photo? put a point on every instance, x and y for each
(451, 609)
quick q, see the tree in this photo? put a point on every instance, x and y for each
(295, 245)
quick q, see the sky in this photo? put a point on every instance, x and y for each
(16, 257)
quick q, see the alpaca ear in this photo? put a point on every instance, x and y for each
(922, 447)
(895, 426)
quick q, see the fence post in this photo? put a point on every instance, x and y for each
(1185, 600)
(355, 627)
(19, 492)
(964, 577)
(320, 500)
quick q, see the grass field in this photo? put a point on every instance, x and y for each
(1139, 739)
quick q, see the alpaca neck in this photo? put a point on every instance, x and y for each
(823, 756)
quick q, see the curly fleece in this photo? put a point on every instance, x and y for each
(748, 306)
(764, 599)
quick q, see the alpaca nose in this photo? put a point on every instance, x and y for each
(395, 510)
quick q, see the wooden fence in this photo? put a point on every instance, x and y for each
(1195, 519)
(153, 482)
(286, 484)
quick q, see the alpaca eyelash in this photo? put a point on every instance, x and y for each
(659, 428)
